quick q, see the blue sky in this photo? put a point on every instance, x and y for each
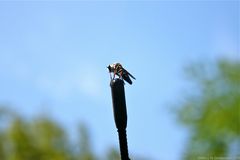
(53, 58)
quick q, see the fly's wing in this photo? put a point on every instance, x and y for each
(127, 78)
(129, 74)
(126, 75)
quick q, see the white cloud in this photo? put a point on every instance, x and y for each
(84, 79)
(56, 80)
(90, 84)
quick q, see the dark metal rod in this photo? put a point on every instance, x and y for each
(122, 135)
(120, 114)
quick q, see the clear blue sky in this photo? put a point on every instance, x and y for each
(53, 58)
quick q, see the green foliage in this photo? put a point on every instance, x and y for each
(86, 152)
(113, 154)
(43, 139)
(212, 111)
(38, 139)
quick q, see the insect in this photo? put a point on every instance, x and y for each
(117, 69)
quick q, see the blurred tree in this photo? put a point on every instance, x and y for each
(1, 146)
(113, 154)
(212, 111)
(38, 139)
(50, 139)
(85, 152)
(42, 138)
(19, 145)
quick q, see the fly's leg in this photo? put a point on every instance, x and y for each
(110, 76)
(114, 73)
(121, 75)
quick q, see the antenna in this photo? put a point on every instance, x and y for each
(120, 114)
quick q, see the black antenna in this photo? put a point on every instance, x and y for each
(120, 114)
